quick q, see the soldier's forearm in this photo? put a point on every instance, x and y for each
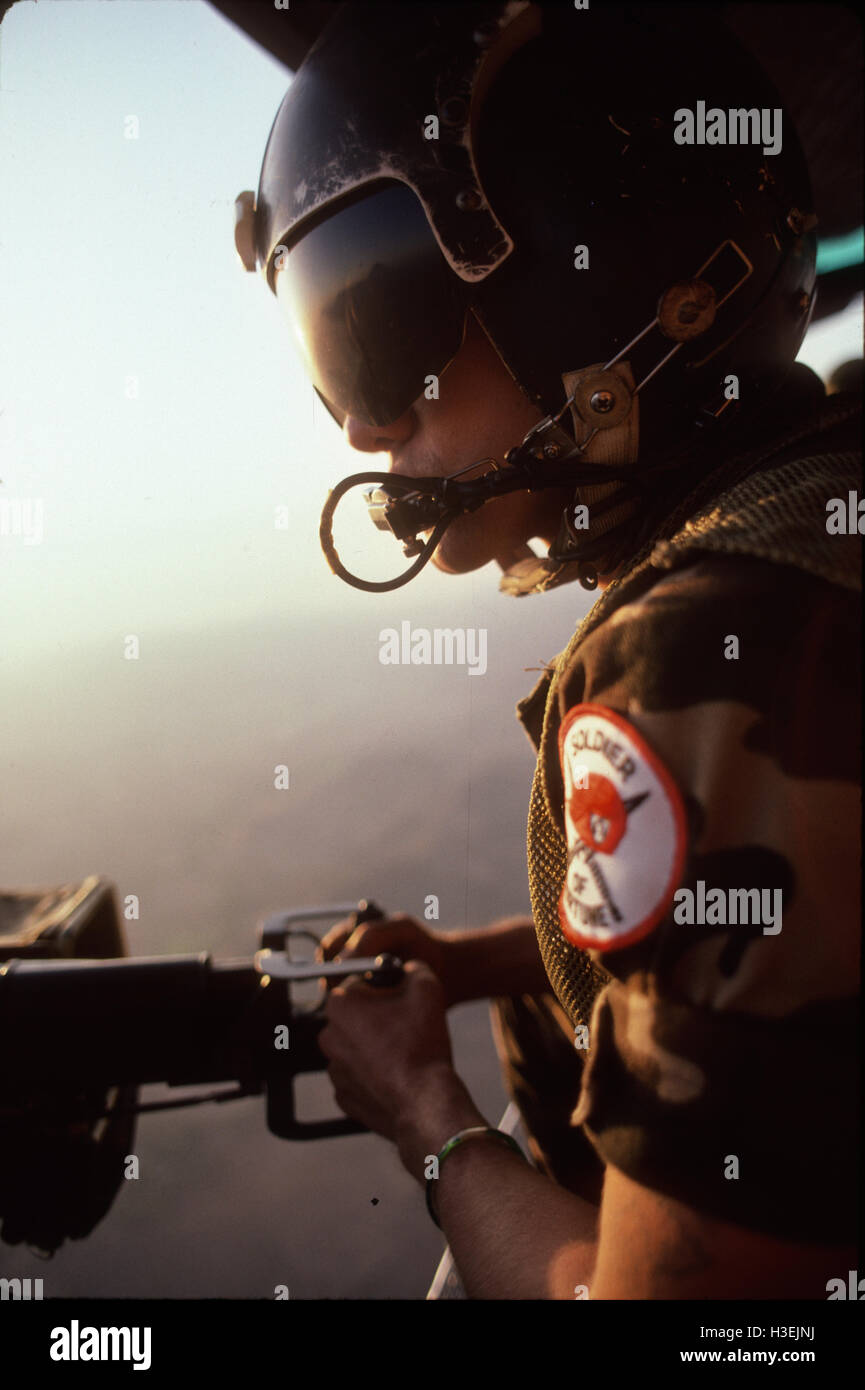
(513, 1232)
(497, 960)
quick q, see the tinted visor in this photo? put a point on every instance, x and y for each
(375, 306)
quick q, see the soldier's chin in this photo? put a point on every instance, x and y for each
(450, 565)
(460, 554)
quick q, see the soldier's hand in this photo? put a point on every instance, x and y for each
(400, 935)
(387, 1049)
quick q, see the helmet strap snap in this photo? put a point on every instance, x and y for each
(604, 411)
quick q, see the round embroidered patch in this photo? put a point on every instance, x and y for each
(626, 831)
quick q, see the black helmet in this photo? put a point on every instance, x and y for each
(614, 192)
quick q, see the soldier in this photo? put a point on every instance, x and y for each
(594, 228)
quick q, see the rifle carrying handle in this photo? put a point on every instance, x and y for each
(282, 1117)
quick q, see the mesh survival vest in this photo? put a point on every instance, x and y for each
(758, 505)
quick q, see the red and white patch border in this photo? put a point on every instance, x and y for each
(680, 823)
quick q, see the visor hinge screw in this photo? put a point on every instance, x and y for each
(468, 200)
(551, 451)
(602, 401)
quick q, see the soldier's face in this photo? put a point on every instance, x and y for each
(480, 413)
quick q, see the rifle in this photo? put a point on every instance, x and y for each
(83, 1025)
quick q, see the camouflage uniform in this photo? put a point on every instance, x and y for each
(708, 1042)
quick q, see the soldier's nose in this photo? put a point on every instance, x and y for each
(377, 439)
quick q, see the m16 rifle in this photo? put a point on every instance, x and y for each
(83, 1026)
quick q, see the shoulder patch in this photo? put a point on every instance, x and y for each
(626, 831)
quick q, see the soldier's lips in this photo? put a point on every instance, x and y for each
(401, 464)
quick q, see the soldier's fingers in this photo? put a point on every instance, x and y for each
(333, 941)
(370, 938)
(366, 940)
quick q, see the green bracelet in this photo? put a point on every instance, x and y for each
(479, 1131)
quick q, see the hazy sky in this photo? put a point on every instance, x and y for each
(150, 398)
(119, 276)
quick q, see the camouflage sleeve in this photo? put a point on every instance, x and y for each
(722, 1069)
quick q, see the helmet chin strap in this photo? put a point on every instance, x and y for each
(604, 409)
(615, 443)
